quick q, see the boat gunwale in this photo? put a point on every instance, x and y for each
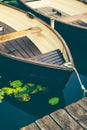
(35, 62)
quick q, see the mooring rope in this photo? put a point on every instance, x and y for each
(69, 65)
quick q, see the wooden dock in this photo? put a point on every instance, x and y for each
(72, 117)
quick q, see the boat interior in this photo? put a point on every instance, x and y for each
(23, 47)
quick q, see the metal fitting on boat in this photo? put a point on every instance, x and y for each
(52, 22)
(1, 28)
(31, 15)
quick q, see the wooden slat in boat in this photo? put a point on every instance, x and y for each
(22, 47)
(17, 34)
(7, 29)
(54, 57)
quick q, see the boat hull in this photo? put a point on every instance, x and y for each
(76, 39)
(75, 36)
(14, 69)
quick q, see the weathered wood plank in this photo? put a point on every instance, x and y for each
(46, 123)
(65, 121)
(7, 29)
(33, 126)
(83, 103)
(78, 113)
(72, 117)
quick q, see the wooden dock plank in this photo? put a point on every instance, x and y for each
(65, 121)
(33, 126)
(46, 123)
(72, 117)
(83, 103)
(78, 113)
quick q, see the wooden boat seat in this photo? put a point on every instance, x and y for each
(54, 57)
(20, 33)
(22, 47)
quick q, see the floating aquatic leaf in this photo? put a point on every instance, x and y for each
(25, 97)
(54, 101)
(19, 94)
(16, 83)
(34, 91)
(2, 92)
(20, 90)
(8, 90)
(31, 84)
(1, 97)
(41, 88)
(29, 87)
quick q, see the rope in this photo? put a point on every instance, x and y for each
(69, 65)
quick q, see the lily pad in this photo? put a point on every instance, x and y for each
(16, 83)
(54, 101)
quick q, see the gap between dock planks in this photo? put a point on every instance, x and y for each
(72, 117)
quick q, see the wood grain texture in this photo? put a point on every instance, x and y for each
(72, 117)
(79, 113)
(33, 126)
(46, 123)
(65, 121)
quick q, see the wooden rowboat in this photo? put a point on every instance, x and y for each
(69, 18)
(29, 47)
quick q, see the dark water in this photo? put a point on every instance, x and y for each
(15, 114)
(12, 118)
